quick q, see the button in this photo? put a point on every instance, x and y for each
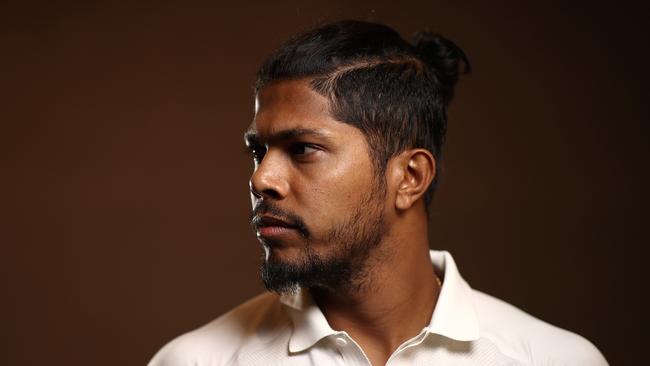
(341, 342)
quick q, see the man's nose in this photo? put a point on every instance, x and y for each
(269, 180)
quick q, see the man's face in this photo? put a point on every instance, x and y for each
(318, 208)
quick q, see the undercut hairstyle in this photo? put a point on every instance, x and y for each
(395, 92)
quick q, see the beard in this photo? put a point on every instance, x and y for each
(350, 242)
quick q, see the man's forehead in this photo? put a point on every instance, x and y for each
(291, 91)
(292, 106)
(264, 128)
(290, 99)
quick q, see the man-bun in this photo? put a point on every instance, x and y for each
(444, 58)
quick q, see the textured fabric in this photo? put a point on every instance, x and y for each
(467, 327)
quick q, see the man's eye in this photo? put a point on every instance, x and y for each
(302, 149)
(257, 152)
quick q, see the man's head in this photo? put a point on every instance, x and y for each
(350, 120)
(395, 92)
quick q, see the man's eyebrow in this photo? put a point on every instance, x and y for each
(253, 137)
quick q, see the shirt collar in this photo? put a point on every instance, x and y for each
(453, 317)
(309, 323)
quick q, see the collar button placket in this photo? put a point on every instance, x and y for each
(350, 352)
(341, 342)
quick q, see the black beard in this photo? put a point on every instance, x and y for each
(313, 272)
(346, 268)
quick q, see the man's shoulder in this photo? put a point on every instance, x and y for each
(530, 339)
(220, 340)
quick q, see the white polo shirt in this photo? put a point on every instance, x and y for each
(467, 327)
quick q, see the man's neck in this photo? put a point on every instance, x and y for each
(394, 302)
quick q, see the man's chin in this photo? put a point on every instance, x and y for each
(283, 253)
(287, 271)
(280, 276)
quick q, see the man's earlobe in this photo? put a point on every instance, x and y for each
(418, 168)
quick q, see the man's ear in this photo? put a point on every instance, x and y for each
(413, 171)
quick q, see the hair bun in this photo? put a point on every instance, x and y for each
(444, 57)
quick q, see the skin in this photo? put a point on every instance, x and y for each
(320, 169)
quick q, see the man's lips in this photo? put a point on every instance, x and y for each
(269, 226)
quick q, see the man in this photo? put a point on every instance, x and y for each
(346, 140)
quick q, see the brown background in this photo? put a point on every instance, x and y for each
(124, 182)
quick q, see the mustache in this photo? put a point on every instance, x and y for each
(272, 209)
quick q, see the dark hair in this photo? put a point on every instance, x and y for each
(395, 92)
